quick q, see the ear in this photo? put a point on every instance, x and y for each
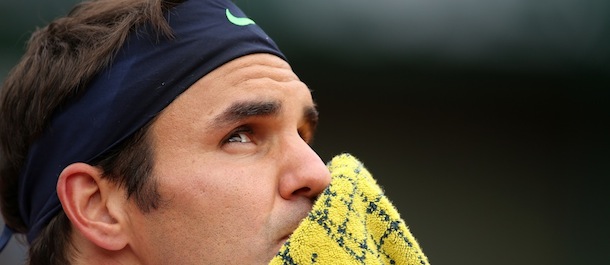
(93, 205)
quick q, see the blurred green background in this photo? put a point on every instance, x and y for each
(485, 121)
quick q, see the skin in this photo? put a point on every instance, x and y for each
(234, 168)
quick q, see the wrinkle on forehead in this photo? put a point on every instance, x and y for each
(257, 66)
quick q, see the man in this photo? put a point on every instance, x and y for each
(171, 132)
(156, 132)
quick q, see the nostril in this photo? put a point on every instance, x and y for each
(301, 191)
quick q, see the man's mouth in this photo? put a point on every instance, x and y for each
(293, 220)
(287, 236)
(284, 239)
(288, 232)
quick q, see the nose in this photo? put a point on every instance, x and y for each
(304, 173)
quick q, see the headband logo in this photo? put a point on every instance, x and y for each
(239, 21)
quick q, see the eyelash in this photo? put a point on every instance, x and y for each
(248, 130)
(238, 130)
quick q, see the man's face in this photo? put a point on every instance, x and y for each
(233, 165)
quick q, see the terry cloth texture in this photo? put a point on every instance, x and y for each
(352, 222)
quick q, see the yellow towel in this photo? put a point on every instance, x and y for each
(352, 222)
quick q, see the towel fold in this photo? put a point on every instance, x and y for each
(352, 222)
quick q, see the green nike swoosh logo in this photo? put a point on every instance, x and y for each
(239, 21)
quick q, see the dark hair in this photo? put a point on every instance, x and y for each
(59, 61)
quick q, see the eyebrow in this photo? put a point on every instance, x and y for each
(246, 109)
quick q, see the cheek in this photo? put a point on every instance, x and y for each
(204, 212)
(221, 197)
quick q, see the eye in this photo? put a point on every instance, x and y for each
(303, 136)
(240, 136)
(306, 135)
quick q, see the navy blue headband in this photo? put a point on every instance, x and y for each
(146, 75)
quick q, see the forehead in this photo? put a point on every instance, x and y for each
(257, 77)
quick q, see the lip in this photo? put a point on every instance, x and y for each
(294, 220)
(283, 239)
(280, 244)
(287, 234)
